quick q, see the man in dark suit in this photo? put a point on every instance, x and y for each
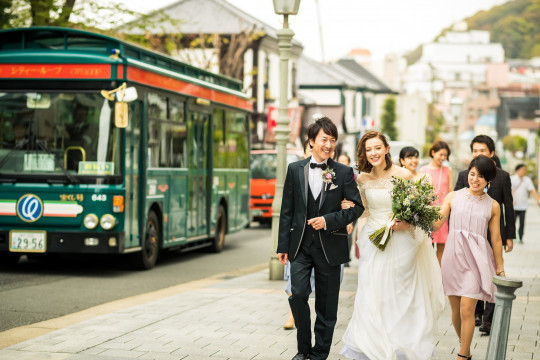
(313, 235)
(500, 190)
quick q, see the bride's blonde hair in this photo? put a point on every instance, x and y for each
(362, 163)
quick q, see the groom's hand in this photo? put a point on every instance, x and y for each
(283, 258)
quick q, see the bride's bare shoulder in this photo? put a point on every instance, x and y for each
(363, 177)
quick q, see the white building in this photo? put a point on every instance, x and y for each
(456, 61)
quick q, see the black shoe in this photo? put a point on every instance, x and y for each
(301, 356)
(477, 320)
(485, 328)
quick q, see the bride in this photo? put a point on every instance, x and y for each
(399, 295)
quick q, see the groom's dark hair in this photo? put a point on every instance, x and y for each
(324, 123)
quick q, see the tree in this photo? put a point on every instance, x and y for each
(435, 124)
(206, 51)
(95, 15)
(514, 143)
(388, 118)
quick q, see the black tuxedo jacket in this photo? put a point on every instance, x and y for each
(293, 216)
(500, 190)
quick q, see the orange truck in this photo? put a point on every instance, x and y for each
(263, 182)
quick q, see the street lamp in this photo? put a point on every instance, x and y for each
(455, 109)
(285, 35)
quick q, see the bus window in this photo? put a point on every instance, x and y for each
(237, 142)
(167, 139)
(220, 152)
(73, 135)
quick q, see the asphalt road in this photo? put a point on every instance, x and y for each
(40, 289)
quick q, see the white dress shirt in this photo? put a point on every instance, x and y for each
(521, 187)
(315, 178)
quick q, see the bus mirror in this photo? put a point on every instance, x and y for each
(130, 94)
(121, 114)
(38, 101)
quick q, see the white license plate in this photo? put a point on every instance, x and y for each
(28, 241)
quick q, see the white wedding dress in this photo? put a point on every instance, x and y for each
(399, 295)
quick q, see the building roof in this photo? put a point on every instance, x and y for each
(362, 72)
(312, 73)
(360, 52)
(207, 17)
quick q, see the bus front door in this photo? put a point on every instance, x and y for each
(198, 173)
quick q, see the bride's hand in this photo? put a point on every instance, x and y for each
(400, 225)
(346, 204)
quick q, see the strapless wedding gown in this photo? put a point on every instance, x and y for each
(399, 295)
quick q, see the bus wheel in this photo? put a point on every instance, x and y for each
(147, 257)
(221, 228)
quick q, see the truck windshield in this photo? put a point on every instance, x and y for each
(58, 137)
(263, 166)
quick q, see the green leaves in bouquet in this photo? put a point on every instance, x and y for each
(411, 203)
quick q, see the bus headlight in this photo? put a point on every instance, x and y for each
(90, 221)
(107, 221)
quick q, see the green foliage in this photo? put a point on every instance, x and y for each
(94, 15)
(412, 203)
(515, 24)
(514, 143)
(388, 118)
(435, 124)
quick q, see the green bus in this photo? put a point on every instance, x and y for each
(109, 148)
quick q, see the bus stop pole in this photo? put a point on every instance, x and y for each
(500, 325)
(285, 36)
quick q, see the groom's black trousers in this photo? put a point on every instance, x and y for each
(327, 282)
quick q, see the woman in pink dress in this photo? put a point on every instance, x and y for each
(441, 178)
(469, 262)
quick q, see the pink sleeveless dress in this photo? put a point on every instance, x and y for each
(468, 264)
(442, 188)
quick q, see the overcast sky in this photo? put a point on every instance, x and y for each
(382, 26)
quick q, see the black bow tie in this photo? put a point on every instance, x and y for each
(323, 166)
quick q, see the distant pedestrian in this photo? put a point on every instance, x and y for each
(522, 186)
(500, 190)
(409, 159)
(442, 180)
(469, 263)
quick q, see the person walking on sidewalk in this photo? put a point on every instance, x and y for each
(399, 295)
(522, 186)
(312, 235)
(469, 262)
(289, 325)
(442, 180)
(500, 190)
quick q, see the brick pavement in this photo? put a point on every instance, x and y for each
(239, 316)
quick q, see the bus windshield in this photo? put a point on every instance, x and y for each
(66, 136)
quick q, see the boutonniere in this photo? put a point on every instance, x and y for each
(328, 176)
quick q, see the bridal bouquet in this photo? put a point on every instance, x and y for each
(411, 203)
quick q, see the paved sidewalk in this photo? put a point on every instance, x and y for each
(239, 316)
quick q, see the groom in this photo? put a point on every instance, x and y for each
(313, 234)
